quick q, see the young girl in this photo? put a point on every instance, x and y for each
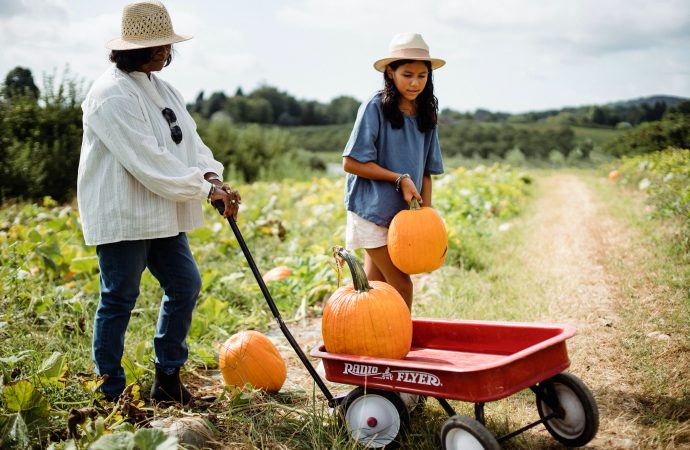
(392, 152)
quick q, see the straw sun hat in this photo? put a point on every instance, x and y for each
(408, 46)
(145, 24)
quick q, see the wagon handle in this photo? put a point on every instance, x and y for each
(220, 206)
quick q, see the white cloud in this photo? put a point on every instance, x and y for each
(509, 55)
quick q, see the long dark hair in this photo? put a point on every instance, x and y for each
(426, 102)
(132, 60)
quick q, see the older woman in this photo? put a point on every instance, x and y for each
(142, 176)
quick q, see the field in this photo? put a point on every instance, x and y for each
(552, 246)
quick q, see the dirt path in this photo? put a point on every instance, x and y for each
(568, 237)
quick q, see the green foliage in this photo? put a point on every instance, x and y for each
(672, 131)
(267, 105)
(468, 138)
(665, 177)
(19, 83)
(252, 152)
(40, 139)
(49, 289)
(468, 199)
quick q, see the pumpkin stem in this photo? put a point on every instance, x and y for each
(359, 277)
(414, 204)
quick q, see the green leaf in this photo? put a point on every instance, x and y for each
(117, 441)
(14, 359)
(35, 236)
(53, 370)
(87, 264)
(154, 439)
(14, 431)
(22, 397)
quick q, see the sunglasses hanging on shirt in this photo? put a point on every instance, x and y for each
(175, 130)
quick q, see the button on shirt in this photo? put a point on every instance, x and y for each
(405, 150)
(134, 182)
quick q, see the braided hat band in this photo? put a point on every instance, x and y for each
(145, 24)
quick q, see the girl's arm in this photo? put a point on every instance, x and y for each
(369, 170)
(426, 190)
(373, 171)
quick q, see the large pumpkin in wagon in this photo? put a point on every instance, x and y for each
(249, 357)
(417, 240)
(367, 318)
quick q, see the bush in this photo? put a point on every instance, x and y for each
(672, 131)
(255, 153)
(665, 177)
(40, 141)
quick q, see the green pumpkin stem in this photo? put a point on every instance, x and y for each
(414, 204)
(359, 277)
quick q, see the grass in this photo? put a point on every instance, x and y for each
(656, 311)
(598, 136)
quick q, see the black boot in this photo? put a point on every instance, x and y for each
(169, 388)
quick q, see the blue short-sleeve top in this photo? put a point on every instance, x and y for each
(405, 150)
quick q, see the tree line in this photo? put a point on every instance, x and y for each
(268, 105)
(41, 132)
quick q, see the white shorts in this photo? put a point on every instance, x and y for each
(361, 233)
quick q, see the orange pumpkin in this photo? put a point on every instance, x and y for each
(277, 273)
(614, 174)
(366, 318)
(249, 357)
(417, 240)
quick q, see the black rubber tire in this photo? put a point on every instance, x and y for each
(393, 398)
(470, 429)
(581, 420)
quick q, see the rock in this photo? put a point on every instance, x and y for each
(193, 431)
(658, 335)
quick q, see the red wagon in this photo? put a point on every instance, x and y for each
(472, 361)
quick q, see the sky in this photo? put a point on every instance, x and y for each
(502, 55)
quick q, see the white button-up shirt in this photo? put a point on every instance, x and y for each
(134, 182)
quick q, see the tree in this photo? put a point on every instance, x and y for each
(20, 82)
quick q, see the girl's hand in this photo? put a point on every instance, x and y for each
(409, 190)
(231, 199)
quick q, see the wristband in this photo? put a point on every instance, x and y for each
(211, 191)
(213, 178)
(399, 180)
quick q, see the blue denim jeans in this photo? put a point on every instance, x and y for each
(121, 265)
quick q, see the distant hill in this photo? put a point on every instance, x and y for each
(670, 101)
(621, 113)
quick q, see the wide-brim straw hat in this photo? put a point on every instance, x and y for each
(145, 24)
(408, 46)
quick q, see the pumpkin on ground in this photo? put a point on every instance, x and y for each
(277, 273)
(366, 318)
(249, 357)
(614, 174)
(417, 240)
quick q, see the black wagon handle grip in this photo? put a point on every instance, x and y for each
(220, 206)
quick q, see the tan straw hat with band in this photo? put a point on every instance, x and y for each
(408, 46)
(145, 24)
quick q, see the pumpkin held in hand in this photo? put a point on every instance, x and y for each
(249, 357)
(417, 240)
(366, 318)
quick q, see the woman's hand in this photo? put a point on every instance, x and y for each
(231, 199)
(409, 190)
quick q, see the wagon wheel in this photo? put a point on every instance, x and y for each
(578, 422)
(465, 433)
(375, 418)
